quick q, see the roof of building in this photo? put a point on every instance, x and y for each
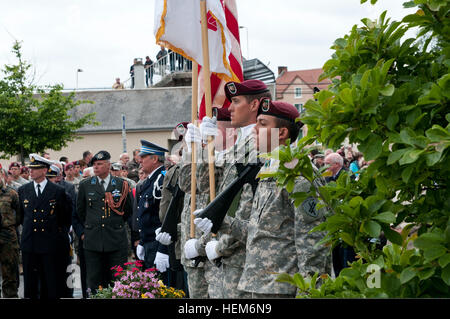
(254, 69)
(309, 77)
(147, 109)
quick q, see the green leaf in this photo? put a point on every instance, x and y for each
(428, 240)
(444, 260)
(427, 273)
(433, 158)
(372, 147)
(373, 228)
(386, 217)
(286, 278)
(395, 156)
(407, 274)
(299, 281)
(388, 90)
(346, 96)
(347, 238)
(410, 156)
(392, 120)
(406, 174)
(445, 275)
(432, 253)
(392, 236)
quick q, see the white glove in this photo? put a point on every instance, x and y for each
(204, 224)
(164, 238)
(161, 261)
(140, 252)
(211, 250)
(193, 134)
(189, 249)
(208, 127)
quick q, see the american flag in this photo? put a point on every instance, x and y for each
(235, 61)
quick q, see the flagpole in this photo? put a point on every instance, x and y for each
(194, 112)
(208, 102)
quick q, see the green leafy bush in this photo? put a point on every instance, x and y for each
(390, 96)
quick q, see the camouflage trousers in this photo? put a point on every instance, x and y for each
(9, 261)
(198, 287)
(230, 280)
(213, 276)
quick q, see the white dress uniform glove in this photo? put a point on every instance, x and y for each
(193, 134)
(140, 252)
(189, 249)
(204, 224)
(211, 250)
(208, 127)
(164, 238)
(161, 261)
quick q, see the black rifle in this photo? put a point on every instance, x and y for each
(218, 208)
(173, 214)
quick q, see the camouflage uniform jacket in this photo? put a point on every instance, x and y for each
(10, 216)
(279, 241)
(231, 248)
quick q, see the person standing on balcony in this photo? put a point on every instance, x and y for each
(148, 70)
(161, 57)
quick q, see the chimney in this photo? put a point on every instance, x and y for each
(282, 70)
(139, 74)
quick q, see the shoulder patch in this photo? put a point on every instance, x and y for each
(93, 180)
(309, 207)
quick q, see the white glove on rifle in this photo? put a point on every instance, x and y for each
(193, 134)
(164, 238)
(189, 249)
(140, 252)
(208, 127)
(211, 250)
(204, 224)
(161, 261)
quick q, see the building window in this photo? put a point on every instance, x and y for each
(298, 93)
(299, 107)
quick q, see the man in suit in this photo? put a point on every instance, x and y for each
(103, 206)
(46, 217)
(147, 199)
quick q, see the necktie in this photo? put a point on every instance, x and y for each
(103, 183)
(39, 190)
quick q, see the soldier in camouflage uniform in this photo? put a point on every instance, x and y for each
(278, 239)
(227, 248)
(10, 216)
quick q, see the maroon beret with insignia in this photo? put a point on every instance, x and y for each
(221, 113)
(278, 109)
(14, 164)
(248, 87)
(24, 169)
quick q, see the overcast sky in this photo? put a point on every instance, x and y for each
(102, 37)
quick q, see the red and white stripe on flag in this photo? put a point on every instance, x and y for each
(177, 26)
(235, 58)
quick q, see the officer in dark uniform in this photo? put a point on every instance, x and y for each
(46, 217)
(147, 199)
(103, 206)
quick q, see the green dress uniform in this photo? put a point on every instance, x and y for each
(105, 238)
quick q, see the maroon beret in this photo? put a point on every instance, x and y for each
(248, 87)
(222, 113)
(69, 166)
(24, 169)
(14, 164)
(278, 109)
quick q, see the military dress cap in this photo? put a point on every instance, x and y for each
(116, 166)
(278, 109)
(14, 164)
(37, 161)
(148, 148)
(53, 171)
(100, 156)
(221, 113)
(248, 87)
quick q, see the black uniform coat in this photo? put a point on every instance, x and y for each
(104, 230)
(148, 197)
(45, 219)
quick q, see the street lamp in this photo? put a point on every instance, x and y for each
(78, 71)
(246, 29)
